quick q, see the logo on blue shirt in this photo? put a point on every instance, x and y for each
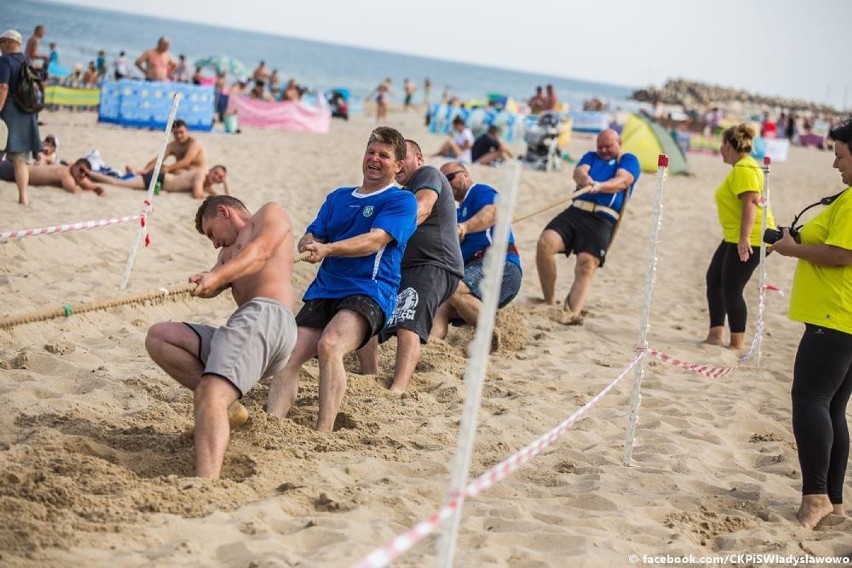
(368, 211)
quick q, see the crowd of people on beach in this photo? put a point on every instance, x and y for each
(401, 254)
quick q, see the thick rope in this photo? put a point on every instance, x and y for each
(552, 205)
(66, 310)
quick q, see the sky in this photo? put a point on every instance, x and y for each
(789, 48)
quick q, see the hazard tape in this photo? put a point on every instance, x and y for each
(12, 235)
(384, 555)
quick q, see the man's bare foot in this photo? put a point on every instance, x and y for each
(814, 508)
(540, 301)
(714, 341)
(736, 347)
(838, 510)
(237, 415)
(565, 318)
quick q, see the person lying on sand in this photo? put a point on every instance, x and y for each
(194, 180)
(75, 178)
(187, 151)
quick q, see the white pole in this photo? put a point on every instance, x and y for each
(761, 294)
(644, 324)
(150, 194)
(474, 375)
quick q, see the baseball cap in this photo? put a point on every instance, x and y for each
(12, 35)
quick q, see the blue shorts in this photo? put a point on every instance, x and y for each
(509, 288)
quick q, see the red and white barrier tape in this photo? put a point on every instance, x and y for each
(12, 235)
(705, 370)
(384, 555)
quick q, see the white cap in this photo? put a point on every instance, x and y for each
(12, 35)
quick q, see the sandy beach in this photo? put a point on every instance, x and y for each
(95, 469)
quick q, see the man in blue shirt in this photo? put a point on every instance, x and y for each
(359, 235)
(476, 216)
(586, 227)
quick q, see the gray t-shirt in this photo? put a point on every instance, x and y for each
(436, 240)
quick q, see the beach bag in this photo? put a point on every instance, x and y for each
(29, 94)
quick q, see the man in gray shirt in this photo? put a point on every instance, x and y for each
(431, 268)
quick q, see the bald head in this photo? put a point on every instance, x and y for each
(609, 144)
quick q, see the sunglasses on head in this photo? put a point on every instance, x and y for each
(452, 175)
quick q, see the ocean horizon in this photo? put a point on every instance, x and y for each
(80, 32)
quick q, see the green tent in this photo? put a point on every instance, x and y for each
(647, 140)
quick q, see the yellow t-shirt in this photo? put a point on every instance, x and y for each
(746, 175)
(822, 295)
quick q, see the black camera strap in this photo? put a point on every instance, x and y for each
(824, 201)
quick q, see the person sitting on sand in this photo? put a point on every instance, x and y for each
(459, 143)
(221, 364)
(75, 178)
(194, 180)
(49, 151)
(477, 214)
(488, 149)
(187, 151)
(586, 227)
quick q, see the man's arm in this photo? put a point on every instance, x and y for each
(361, 245)
(484, 218)
(4, 93)
(426, 198)
(582, 177)
(621, 181)
(184, 163)
(271, 226)
(142, 59)
(198, 183)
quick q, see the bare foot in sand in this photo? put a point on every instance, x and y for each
(838, 510)
(814, 509)
(565, 317)
(714, 336)
(237, 415)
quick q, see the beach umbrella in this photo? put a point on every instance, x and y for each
(226, 63)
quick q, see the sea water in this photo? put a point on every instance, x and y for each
(81, 32)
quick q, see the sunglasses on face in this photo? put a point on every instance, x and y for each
(452, 175)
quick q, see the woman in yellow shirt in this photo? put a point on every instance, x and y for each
(822, 374)
(740, 215)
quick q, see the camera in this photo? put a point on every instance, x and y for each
(771, 236)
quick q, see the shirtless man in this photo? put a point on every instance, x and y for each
(159, 64)
(194, 180)
(187, 151)
(75, 178)
(221, 364)
(37, 59)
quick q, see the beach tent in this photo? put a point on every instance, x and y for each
(648, 140)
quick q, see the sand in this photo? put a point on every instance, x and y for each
(95, 469)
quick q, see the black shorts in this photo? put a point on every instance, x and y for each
(318, 313)
(582, 231)
(422, 289)
(146, 178)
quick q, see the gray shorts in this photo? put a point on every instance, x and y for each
(254, 343)
(421, 290)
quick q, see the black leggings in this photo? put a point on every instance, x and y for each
(726, 280)
(822, 383)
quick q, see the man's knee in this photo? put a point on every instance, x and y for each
(331, 343)
(549, 243)
(156, 336)
(586, 264)
(215, 391)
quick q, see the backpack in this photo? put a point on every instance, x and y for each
(29, 94)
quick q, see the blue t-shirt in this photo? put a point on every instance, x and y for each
(478, 196)
(347, 214)
(10, 71)
(603, 170)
